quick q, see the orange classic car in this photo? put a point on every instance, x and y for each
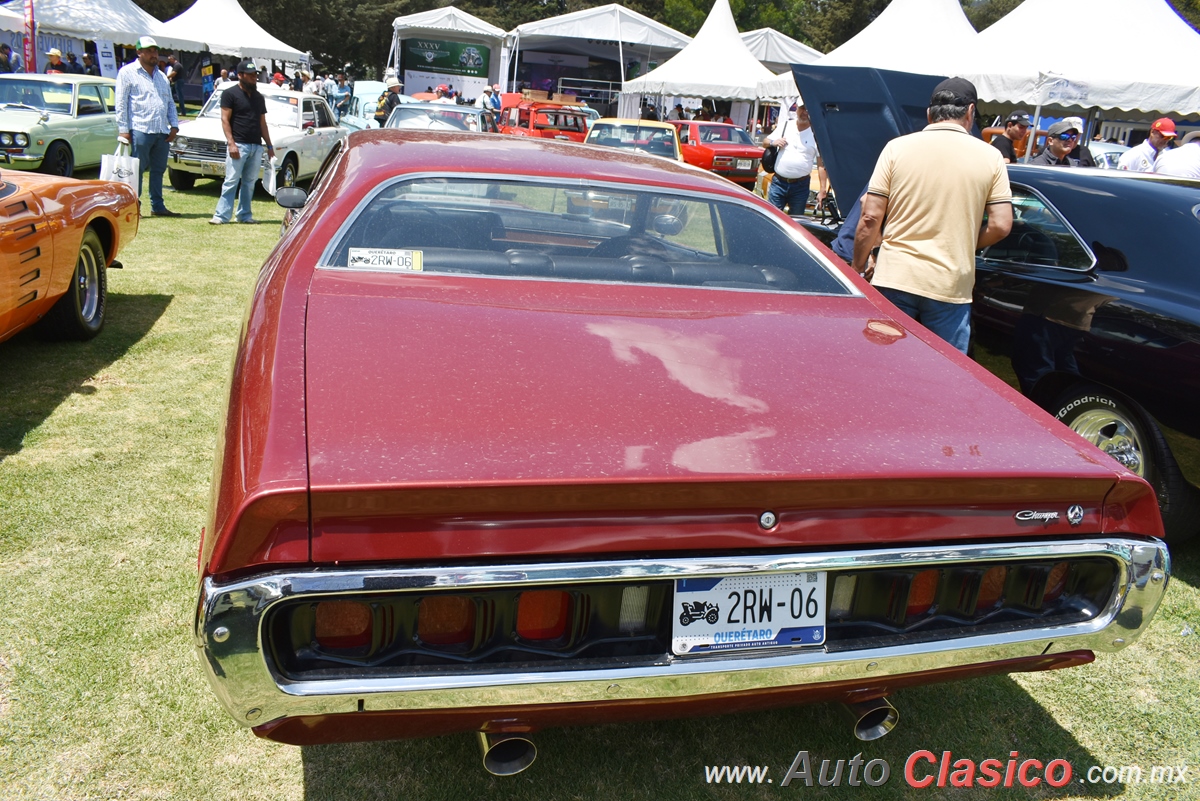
(59, 236)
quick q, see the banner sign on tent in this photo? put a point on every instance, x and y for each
(106, 58)
(30, 42)
(41, 44)
(446, 58)
(1061, 92)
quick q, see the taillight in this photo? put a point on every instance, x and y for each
(633, 609)
(342, 624)
(921, 592)
(723, 161)
(542, 614)
(991, 588)
(1056, 582)
(446, 619)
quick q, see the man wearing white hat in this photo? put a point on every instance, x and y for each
(55, 63)
(146, 118)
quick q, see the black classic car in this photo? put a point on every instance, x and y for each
(1093, 294)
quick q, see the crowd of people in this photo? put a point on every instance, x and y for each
(1065, 147)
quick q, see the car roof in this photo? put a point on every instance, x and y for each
(56, 77)
(421, 104)
(522, 155)
(272, 89)
(638, 123)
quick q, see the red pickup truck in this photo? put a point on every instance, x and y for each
(544, 120)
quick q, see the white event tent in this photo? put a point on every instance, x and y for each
(931, 37)
(117, 21)
(776, 51)
(717, 64)
(1096, 61)
(229, 31)
(444, 22)
(597, 31)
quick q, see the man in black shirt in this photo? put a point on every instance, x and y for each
(244, 118)
(1016, 126)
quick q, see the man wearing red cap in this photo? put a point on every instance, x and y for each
(443, 94)
(278, 79)
(1142, 157)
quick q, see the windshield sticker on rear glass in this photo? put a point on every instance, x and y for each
(385, 259)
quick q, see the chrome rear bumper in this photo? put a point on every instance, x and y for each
(229, 631)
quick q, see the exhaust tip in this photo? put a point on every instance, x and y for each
(872, 719)
(506, 754)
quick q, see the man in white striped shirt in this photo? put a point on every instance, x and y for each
(147, 119)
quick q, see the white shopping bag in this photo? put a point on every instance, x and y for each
(121, 167)
(268, 179)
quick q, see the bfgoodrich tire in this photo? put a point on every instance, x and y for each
(79, 314)
(1125, 431)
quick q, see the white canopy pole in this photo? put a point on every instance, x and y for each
(620, 47)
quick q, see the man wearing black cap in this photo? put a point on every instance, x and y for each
(945, 194)
(1016, 128)
(244, 119)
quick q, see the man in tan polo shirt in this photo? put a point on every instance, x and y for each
(944, 194)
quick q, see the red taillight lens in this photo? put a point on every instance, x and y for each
(343, 624)
(922, 592)
(991, 588)
(542, 614)
(446, 619)
(1056, 582)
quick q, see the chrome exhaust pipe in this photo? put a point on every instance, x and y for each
(872, 719)
(506, 754)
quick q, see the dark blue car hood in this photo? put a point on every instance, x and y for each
(855, 111)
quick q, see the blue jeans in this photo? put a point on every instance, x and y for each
(152, 151)
(245, 170)
(950, 321)
(794, 194)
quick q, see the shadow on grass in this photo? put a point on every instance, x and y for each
(986, 718)
(37, 376)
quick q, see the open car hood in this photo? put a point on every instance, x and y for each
(855, 111)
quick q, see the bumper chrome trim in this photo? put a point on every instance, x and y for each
(245, 685)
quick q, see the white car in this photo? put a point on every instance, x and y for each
(302, 129)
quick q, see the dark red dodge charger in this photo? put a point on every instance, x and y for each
(525, 433)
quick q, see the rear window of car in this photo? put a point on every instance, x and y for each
(574, 232)
(724, 134)
(643, 138)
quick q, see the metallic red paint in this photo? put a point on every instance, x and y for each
(393, 395)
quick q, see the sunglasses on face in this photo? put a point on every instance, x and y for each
(1067, 137)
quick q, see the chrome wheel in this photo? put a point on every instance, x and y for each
(1115, 435)
(287, 173)
(87, 284)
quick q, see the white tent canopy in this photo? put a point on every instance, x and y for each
(612, 23)
(118, 21)
(931, 37)
(230, 31)
(610, 32)
(1148, 64)
(447, 20)
(924, 36)
(775, 50)
(717, 64)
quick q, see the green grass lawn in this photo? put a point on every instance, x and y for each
(105, 465)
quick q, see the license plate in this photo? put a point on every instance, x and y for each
(742, 612)
(212, 169)
(744, 164)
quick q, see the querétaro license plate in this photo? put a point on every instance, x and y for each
(744, 164)
(740, 612)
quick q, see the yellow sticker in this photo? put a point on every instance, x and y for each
(385, 259)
